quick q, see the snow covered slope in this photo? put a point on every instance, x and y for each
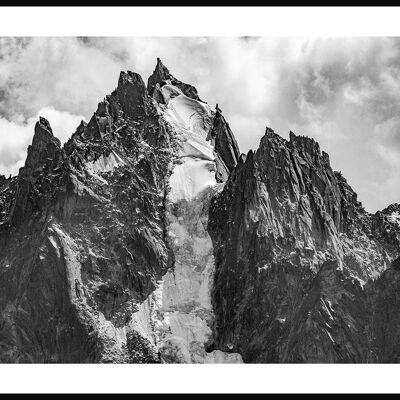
(105, 163)
(192, 122)
(178, 316)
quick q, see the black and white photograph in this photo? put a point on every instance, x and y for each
(199, 199)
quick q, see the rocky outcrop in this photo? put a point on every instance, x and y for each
(293, 249)
(131, 93)
(226, 147)
(385, 226)
(7, 194)
(85, 239)
(41, 175)
(160, 76)
(384, 326)
(225, 142)
(148, 238)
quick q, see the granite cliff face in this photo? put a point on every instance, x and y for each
(299, 263)
(104, 251)
(148, 238)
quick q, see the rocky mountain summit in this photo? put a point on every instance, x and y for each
(302, 270)
(148, 238)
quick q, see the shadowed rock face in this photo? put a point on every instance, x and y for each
(148, 238)
(86, 239)
(84, 235)
(225, 146)
(160, 76)
(131, 93)
(7, 195)
(293, 251)
(40, 176)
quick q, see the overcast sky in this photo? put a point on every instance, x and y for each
(344, 92)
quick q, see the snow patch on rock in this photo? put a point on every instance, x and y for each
(192, 122)
(185, 113)
(113, 338)
(105, 163)
(190, 178)
(394, 217)
(178, 316)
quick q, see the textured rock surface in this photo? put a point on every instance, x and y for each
(160, 76)
(86, 239)
(85, 242)
(148, 238)
(294, 250)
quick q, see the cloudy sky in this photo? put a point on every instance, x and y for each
(344, 92)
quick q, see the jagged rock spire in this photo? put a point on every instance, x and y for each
(160, 75)
(44, 145)
(44, 153)
(43, 133)
(131, 93)
(225, 143)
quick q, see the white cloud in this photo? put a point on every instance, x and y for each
(58, 72)
(344, 92)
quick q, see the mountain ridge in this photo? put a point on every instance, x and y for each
(148, 237)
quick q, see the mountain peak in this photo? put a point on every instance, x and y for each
(150, 208)
(44, 145)
(44, 156)
(43, 136)
(131, 93)
(225, 142)
(44, 124)
(161, 75)
(128, 77)
(161, 67)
